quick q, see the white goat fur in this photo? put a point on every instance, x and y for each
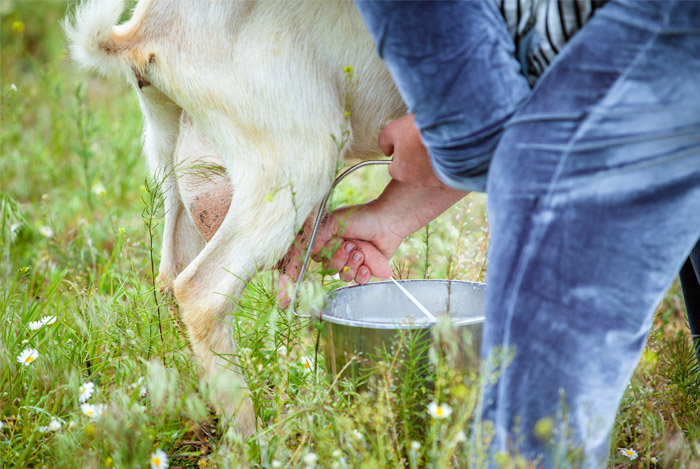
(262, 86)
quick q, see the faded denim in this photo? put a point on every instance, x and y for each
(433, 50)
(594, 195)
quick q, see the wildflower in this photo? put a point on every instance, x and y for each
(544, 428)
(439, 411)
(628, 452)
(159, 460)
(307, 364)
(13, 87)
(46, 232)
(85, 391)
(275, 463)
(36, 325)
(336, 453)
(18, 26)
(415, 446)
(27, 356)
(357, 435)
(654, 460)
(92, 410)
(55, 425)
(310, 459)
(98, 189)
(142, 387)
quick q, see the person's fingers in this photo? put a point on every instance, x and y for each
(338, 261)
(348, 272)
(363, 275)
(386, 140)
(375, 261)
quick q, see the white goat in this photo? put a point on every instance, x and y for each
(259, 88)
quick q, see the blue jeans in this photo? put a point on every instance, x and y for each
(594, 203)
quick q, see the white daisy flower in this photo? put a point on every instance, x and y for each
(38, 324)
(307, 364)
(35, 325)
(55, 425)
(48, 320)
(13, 87)
(357, 435)
(310, 459)
(415, 446)
(46, 232)
(439, 411)
(27, 356)
(92, 410)
(159, 459)
(85, 391)
(98, 189)
(629, 453)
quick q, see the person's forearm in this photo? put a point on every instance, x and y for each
(409, 208)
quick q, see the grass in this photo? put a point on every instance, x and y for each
(79, 240)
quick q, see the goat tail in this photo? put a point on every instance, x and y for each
(95, 42)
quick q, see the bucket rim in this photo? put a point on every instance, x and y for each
(474, 320)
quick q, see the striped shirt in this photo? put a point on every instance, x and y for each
(554, 22)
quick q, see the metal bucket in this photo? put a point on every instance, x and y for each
(364, 323)
(364, 320)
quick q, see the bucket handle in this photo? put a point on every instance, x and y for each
(317, 224)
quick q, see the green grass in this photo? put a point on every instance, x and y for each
(71, 162)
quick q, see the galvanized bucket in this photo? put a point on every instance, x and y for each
(363, 322)
(366, 323)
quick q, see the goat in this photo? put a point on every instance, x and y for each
(259, 88)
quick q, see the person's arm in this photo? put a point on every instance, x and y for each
(401, 210)
(359, 241)
(455, 67)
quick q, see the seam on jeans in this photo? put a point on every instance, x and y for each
(545, 204)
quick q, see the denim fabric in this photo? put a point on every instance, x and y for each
(454, 66)
(594, 195)
(594, 204)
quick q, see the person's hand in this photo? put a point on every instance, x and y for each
(351, 241)
(357, 242)
(411, 163)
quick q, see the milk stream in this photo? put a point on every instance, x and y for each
(413, 299)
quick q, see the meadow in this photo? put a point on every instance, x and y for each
(95, 366)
